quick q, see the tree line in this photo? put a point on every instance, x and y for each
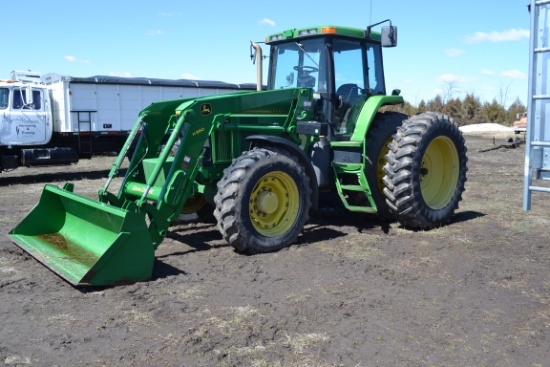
(466, 111)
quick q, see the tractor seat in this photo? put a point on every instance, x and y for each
(306, 81)
(349, 92)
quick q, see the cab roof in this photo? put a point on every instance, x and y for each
(324, 30)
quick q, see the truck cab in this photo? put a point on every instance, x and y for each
(520, 125)
(25, 118)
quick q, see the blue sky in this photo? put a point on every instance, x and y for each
(467, 46)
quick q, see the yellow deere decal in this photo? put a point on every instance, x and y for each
(142, 190)
(206, 109)
(195, 133)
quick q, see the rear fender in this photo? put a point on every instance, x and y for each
(275, 141)
(368, 112)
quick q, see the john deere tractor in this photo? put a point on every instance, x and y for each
(258, 160)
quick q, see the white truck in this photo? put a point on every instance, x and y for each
(55, 119)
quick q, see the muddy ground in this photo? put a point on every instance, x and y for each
(351, 292)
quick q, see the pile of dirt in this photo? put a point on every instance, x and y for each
(485, 127)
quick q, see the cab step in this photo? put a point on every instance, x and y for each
(352, 187)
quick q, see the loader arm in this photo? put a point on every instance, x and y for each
(159, 181)
(110, 241)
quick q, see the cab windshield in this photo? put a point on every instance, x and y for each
(299, 64)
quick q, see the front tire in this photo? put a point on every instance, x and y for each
(263, 201)
(425, 171)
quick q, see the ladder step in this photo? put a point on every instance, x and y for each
(541, 96)
(353, 188)
(362, 209)
(351, 168)
(539, 189)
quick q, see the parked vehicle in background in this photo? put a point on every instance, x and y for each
(57, 119)
(520, 125)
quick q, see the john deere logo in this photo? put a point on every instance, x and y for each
(206, 109)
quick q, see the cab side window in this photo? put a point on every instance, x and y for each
(20, 100)
(376, 72)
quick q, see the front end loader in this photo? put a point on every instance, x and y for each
(257, 161)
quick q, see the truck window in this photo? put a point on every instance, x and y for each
(20, 98)
(4, 97)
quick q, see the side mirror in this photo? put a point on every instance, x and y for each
(389, 36)
(29, 97)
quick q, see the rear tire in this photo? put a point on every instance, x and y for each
(263, 201)
(426, 171)
(379, 136)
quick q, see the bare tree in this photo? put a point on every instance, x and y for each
(503, 92)
(449, 90)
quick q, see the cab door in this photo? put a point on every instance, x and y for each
(29, 116)
(358, 74)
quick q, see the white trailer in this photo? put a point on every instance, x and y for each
(51, 118)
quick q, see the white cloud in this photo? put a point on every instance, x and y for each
(190, 76)
(267, 21)
(514, 74)
(74, 59)
(125, 74)
(505, 36)
(453, 78)
(453, 52)
(155, 32)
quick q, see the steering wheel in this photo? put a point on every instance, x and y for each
(307, 69)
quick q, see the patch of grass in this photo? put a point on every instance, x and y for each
(299, 342)
(238, 319)
(62, 320)
(298, 298)
(192, 292)
(357, 246)
(140, 318)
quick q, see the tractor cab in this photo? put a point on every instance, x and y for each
(342, 65)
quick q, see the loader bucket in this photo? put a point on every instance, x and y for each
(84, 241)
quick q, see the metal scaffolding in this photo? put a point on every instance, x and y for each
(537, 149)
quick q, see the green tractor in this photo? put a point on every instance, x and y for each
(258, 162)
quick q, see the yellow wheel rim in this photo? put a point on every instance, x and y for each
(194, 204)
(274, 204)
(380, 164)
(439, 173)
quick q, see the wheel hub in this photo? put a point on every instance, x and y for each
(267, 202)
(274, 204)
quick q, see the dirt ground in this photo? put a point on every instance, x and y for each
(352, 292)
